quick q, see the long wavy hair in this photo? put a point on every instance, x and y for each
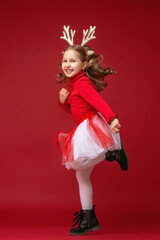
(93, 70)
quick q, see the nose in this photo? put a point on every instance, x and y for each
(67, 63)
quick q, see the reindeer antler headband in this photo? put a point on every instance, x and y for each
(87, 36)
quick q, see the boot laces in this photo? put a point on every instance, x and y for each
(81, 218)
(113, 155)
(77, 219)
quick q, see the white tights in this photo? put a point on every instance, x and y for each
(85, 188)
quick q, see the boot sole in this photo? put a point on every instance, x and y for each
(97, 227)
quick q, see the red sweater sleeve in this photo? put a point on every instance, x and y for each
(65, 106)
(90, 94)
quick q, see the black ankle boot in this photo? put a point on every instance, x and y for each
(120, 156)
(86, 221)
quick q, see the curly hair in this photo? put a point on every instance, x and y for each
(93, 69)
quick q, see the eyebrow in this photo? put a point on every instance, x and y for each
(69, 58)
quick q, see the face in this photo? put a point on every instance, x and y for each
(71, 63)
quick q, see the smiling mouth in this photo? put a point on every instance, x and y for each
(68, 71)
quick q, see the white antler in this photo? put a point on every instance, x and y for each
(87, 38)
(66, 35)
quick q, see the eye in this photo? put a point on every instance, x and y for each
(64, 61)
(72, 60)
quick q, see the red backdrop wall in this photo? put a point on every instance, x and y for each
(33, 184)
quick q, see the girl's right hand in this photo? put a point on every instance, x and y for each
(63, 94)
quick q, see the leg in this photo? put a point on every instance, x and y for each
(86, 218)
(85, 188)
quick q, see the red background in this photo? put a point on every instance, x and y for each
(33, 184)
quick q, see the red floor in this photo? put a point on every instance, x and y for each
(48, 232)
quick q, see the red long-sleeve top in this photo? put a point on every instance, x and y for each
(83, 97)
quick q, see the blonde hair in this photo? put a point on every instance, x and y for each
(93, 70)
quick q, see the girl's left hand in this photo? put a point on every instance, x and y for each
(115, 125)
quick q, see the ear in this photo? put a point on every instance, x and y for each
(84, 65)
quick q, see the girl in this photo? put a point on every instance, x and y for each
(97, 130)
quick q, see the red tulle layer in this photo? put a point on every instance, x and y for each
(99, 136)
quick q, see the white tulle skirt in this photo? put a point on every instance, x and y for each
(87, 144)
